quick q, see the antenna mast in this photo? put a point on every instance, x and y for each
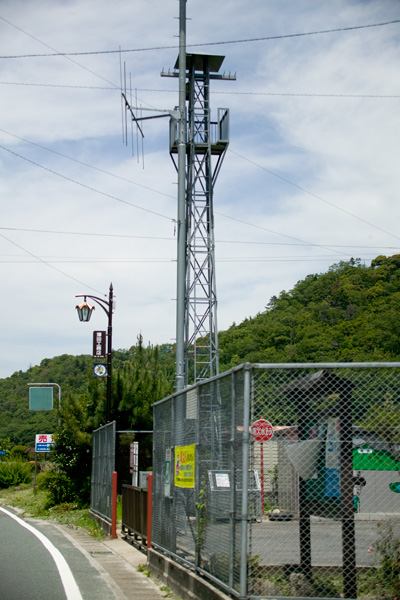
(201, 145)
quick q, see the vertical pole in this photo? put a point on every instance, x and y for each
(181, 225)
(114, 506)
(34, 479)
(245, 481)
(304, 513)
(149, 508)
(262, 477)
(109, 350)
(346, 490)
(232, 470)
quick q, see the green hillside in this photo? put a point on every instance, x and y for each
(348, 314)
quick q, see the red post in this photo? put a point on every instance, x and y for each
(149, 507)
(114, 506)
(262, 478)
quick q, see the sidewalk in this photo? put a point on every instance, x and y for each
(118, 561)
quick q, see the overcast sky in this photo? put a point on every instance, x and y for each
(311, 176)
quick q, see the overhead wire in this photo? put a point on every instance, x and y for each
(85, 186)
(48, 264)
(172, 239)
(175, 46)
(167, 195)
(227, 93)
(347, 212)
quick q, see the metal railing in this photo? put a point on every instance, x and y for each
(134, 514)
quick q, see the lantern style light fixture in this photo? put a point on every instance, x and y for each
(84, 311)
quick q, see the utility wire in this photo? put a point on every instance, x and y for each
(237, 41)
(315, 196)
(172, 239)
(37, 258)
(162, 193)
(57, 53)
(80, 162)
(87, 187)
(227, 93)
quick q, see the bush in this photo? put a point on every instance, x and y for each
(18, 452)
(14, 472)
(60, 488)
(387, 551)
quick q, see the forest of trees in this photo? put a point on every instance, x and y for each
(348, 314)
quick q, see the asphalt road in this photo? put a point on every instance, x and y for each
(44, 561)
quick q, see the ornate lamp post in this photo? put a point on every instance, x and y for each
(84, 311)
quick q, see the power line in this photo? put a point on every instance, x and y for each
(59, 53)
(174, 220)
(227, 93)
(315, 196)
(37, 258)
(80, 162)
(87, 187)
(172, 239)
(237, 41)
(86, 233)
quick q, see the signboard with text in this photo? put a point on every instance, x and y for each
(44, 442)
(99, 344)
(262, 430)
(185, 466)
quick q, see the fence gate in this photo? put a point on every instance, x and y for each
(103, 465)
(282, 480)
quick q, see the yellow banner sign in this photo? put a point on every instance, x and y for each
(184, 466)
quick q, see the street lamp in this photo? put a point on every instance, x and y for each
(84, 311)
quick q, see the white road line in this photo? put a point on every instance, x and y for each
(70, 586)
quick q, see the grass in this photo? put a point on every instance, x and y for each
(24, 498)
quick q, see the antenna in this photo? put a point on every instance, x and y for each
(127, 108)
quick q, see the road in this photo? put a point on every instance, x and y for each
(44, 561)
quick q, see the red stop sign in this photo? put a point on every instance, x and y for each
(262, 430)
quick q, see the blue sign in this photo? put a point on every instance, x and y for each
(3, 452)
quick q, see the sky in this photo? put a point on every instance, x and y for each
(311, 176)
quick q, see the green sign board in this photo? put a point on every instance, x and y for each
(40, 398)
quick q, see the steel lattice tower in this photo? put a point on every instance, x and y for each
(206, 145)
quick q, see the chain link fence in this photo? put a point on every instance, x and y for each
(103, 465)
(283, 480)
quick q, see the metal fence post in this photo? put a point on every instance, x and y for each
(232, 469)
(149, 508)
(245, 480)
(114, 505)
